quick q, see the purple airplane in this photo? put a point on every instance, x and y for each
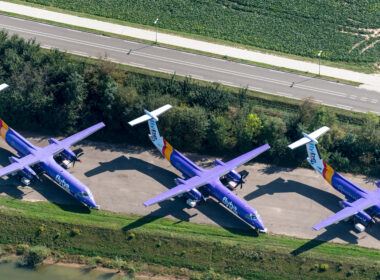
(34, 161)
(200, 183)
(361, 205)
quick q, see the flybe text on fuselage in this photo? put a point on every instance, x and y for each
(229, 204)
(62, 182)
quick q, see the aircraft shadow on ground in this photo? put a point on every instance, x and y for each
(279, 185)
(46, 187)
(342, 230)
(177, 206)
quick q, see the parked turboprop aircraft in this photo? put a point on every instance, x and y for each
(200, 183)
(35, 161)
(361, 205)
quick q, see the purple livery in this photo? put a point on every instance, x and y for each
(200, 183)
(34, 161)
(361, 205)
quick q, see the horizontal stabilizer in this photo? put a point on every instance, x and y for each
(150, 115)
(3, 86)
(312, 137)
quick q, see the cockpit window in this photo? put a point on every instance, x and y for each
(82, 194)
(251, 216)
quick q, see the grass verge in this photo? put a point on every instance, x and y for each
(170, 243)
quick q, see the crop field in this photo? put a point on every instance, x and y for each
(347, 31)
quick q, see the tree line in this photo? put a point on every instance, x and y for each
(53, 92)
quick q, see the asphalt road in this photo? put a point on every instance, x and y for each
(197, 66)
(122, 177)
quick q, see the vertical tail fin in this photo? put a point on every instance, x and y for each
(155, 137)
(3, 128)
(310, 140)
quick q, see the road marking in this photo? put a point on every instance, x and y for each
(376, 112)
(319, 101)
(166, 70)
(255, 88)
(374, 101)
(227, 83)
(217, 59)
(284, 94)
(195, 77)
(159, 48)
(189, 53)
(113, 60)
(353, 97)
(275, 71)
(47, 47)
(363, 98)
(344, 106)
(80, 53)
(137, 64)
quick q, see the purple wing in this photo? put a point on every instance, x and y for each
(19, 165)
(189, 184)
(207, 176)
(71, 140)
(52, 149)
(356, 206)
(236, 162)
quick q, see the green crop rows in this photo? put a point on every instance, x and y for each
(300, 27)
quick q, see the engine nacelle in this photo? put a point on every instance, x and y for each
(219, 162)
(362, 217)
(344, 204)
(68, 154)
(234, 176)
(195, 195)
(179, 181)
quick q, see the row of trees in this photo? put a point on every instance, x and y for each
(55, 93)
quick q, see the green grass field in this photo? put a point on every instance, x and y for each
(343, 30)
(172, 243)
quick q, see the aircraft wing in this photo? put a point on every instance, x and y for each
(21, 163)
(208, 176)
(240, 160)
(194, 182)
(73, 139)
(373, 198)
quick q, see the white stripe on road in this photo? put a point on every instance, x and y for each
(344, 106)
(136, 64)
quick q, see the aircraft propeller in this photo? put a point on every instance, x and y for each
(243, 175)
(78, 153)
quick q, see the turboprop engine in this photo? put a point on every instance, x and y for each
(361, 219)
(194, 195)
(27, 173)
(67, 156)
(232, 179)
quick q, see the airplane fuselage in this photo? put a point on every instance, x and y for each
(56, 172)
(351, 191)
(216, 189)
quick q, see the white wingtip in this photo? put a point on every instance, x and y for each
(3, 86)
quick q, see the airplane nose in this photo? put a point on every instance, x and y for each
(260, 225)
